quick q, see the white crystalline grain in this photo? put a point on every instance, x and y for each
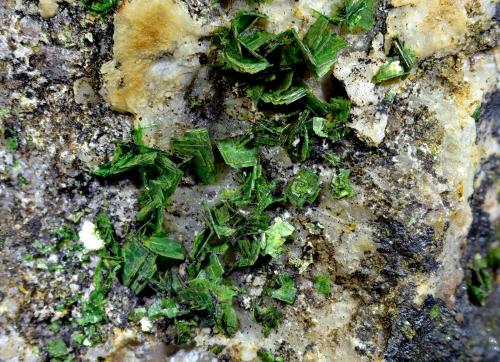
(146, 324)
(89, 237)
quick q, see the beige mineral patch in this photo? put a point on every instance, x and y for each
(48, 8)
(129, 345)
(11, 302)
(397, 3)
(492, 203)
(452, 105)
(155, 48)
(356, 74)
(298, 15)
(429, 25)
(14, 348)
(434, 26)
(83, 91)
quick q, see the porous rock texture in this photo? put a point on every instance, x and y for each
(425, 173)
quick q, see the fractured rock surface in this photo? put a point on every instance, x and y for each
(423, 170)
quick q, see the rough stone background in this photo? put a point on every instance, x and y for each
(49, 82)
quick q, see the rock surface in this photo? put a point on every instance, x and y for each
(425, 173)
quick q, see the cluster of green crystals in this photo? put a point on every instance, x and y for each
(398, 65)
(272, 68)
(481, 282)
(100, 6)
(192, 280)
(238, 231)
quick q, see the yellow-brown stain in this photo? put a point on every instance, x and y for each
(428, 26)
(144, 31)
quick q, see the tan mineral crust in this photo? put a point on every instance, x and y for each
(48, 8)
